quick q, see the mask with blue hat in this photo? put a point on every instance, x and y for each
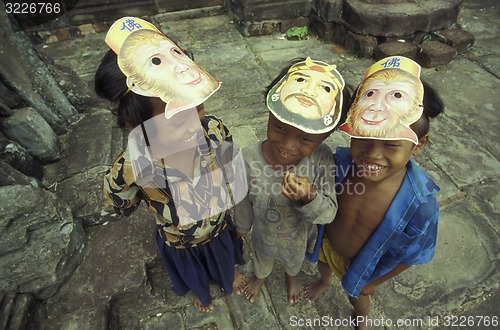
(156, 67)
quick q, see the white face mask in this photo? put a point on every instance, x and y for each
(387, 102)
(156, 67)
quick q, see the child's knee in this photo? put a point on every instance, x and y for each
(362, 304)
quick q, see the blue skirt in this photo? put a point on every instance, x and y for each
(196, 267)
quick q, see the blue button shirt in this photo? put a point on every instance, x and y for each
(407, 235)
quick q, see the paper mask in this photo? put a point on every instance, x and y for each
(156, 67)
(388, 101)
(308, 97)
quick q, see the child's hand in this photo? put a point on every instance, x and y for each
(297, 188)
(369, 289)
(239, 234)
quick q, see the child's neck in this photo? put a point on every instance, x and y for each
(182, 161)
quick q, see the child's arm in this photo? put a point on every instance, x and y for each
(243, 210)
(123, 197)
(243, 216)
(315, 201)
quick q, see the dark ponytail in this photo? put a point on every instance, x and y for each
(433, 106)
(111, 84)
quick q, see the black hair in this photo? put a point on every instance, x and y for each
(346, 92)
(110, 84)
(433, 106)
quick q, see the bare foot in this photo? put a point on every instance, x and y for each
(294, 289)
(253, 287)
(200, 306)
(312, 293)
(239, 283)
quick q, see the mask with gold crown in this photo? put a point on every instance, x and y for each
(308, 97)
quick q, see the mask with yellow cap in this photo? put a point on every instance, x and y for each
(156, 67)
(308, 97)
(388, 101)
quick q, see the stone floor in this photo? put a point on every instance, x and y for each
(120, 283)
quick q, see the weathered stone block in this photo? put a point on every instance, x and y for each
(93, 138)
(5, 111)
(253, 29)
(332, 32)
(86, 29)
(361, 45)
(74, 87)
(10, 98)
(18, 157)
(41, 244)
(83, 194)
(328, 10)
(19, 311)
(387, 19)
(28, 76)
(74, 32)
(269, 28)
(262, 10)
(406, 49)
(178, 5)
(28, 128)
(90, 11)
(457, 38)
(101, 27)
(339, 33)
(11, 176)
(62, 34)
(322, 29)
(434, 53)
(104, 271)
(86, 317)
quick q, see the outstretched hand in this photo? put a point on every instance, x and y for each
(297, 188)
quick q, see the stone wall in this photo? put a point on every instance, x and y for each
(78, 12)
(39, 100)
(367, 28)
(34, 111)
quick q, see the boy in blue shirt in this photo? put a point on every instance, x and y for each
(388, 213)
